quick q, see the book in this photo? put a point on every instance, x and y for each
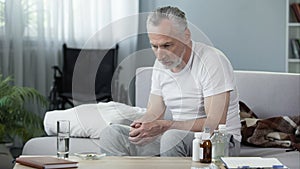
(295, 48)
(296, 10)
(298, 47)
(46, 162)
(252, 162)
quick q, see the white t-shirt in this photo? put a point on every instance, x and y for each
(208, 72)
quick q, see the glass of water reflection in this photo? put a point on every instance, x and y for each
(63, 138)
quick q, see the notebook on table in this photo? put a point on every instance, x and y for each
(252, 162)
(46, 162)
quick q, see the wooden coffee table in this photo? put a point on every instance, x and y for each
(132, 162)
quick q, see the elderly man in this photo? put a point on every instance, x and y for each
(193, 80)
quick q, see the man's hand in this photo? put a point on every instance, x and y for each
(150, 126)
(142, 133)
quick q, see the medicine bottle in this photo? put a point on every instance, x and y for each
(224, 135)
(196, 146)
(218, 146)
(206, 146)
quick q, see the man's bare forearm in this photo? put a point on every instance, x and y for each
(188, 125)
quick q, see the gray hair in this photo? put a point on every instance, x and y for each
(173, 14)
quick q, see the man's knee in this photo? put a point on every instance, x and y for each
(113, 140)
(113, 131)
(174, 143)
(174, 136)
(168, 136)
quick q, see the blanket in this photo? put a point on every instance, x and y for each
(280, 131)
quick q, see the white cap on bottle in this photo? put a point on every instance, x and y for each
(222, 127)
(205, 136)
(198, 134)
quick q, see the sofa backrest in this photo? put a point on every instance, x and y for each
(268, 94)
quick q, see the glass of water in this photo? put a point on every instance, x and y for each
(63, 138)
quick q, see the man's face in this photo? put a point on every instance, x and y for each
(166, 44)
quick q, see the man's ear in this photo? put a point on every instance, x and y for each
(187, 35)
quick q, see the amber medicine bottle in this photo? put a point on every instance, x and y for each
(206, 148)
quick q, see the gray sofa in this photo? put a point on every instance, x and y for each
(268, 94)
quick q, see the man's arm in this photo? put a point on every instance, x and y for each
(144, 129)
(152, 123)
(216, 108)
(155, 109)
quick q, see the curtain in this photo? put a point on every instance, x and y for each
(32, 33)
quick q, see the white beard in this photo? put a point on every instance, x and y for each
(176, 62)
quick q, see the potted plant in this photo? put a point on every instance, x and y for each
(15, 119)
